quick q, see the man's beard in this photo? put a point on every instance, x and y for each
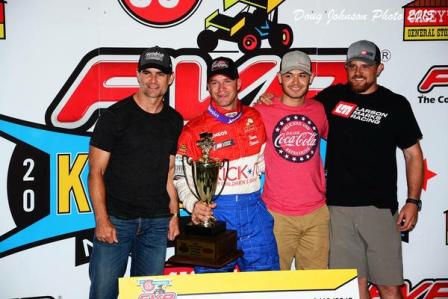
(360, 88)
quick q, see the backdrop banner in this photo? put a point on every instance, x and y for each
(62, 62)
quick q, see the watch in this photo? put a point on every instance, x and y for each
(416, 202)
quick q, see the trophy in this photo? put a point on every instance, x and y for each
(207, 243)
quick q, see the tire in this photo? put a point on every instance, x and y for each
(207, 40)
(281, 37)
(250, 41)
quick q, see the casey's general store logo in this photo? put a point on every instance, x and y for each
(425, 20)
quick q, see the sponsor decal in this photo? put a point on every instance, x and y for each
(219, 134)
(250, 126)
(2, 20)
(296, 138)
(343, 109)
(425, 21)
(160, 13)
(223, 144)
(257, 21)
(155, 289)
(350, 110)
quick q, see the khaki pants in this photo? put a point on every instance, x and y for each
(304, 238)
(367, 238)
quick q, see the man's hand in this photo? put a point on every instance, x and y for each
(105, 232)
(173, 228)
(266, 99)
(202, 212)
(407, 219)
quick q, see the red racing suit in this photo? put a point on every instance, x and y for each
(239, 205)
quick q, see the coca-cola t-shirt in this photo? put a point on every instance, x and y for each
(365, 131)
(295, 181)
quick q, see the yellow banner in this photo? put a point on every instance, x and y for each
(238, 282)
(426, 33)
(2, 31)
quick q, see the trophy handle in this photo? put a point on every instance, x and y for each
(189, 162)
(223, 162)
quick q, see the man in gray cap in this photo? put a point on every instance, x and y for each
(131, 186)
(294, 190)
(367, 123)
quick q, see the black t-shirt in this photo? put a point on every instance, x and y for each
(365, 131)
(140, 144)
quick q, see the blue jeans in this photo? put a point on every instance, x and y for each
(247, 214)
(145, 239)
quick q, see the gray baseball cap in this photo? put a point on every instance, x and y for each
(155, 57)
(295, 60)
(364, 50)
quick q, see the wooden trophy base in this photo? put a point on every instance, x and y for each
(218, 227)
(205, 250)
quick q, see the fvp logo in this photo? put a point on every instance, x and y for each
(160, 13)
(436, 76)
(106, 75)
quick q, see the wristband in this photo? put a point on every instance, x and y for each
(416, 202)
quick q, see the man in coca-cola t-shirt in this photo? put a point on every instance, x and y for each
(294, 191)
(367, 123)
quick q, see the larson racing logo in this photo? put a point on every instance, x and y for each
(160, 13)
(350, 110)
(47, 188)
(296, 138)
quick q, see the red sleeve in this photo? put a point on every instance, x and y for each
(187, 144)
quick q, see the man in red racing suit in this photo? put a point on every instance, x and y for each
(239, 136)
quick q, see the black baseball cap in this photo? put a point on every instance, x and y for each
(222, 66)
(155, 57)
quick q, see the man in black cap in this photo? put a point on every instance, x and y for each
(131, 162)
(239, 136)
(367, 123)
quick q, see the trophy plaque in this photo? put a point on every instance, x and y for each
(208, 243)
